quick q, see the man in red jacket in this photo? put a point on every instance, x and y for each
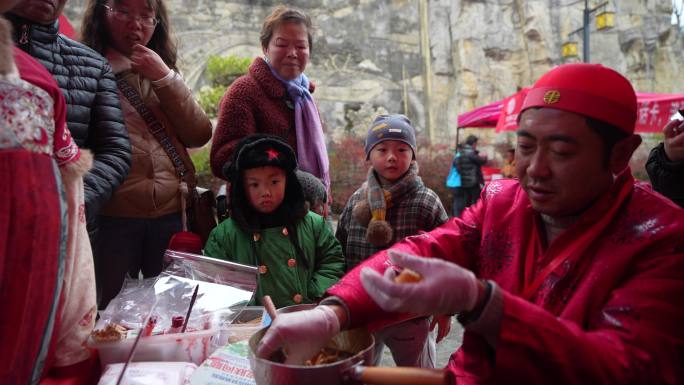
(572, 275)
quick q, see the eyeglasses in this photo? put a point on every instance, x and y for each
(125, 16)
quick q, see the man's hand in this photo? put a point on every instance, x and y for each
(147, 63)
(443, 323)
(300, 334)
(446, 288)
(674, 140)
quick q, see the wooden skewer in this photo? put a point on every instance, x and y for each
(270, 307)
(192, 303)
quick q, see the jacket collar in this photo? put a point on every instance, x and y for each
(260, 71)
(44, 33)
(118, 61)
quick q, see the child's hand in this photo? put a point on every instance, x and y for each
(147, 63)
(674, 140)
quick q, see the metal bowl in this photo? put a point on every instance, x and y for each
(294, 308)
(266, 372)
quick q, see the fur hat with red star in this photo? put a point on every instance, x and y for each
(590, 90)
(261, 150)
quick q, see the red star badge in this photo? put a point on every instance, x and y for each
(272, 154)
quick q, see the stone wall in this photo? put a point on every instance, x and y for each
(367, 54)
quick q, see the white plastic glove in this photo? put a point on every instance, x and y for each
(446, 288)
(301, 334)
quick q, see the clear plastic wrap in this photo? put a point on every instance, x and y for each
(223, 291)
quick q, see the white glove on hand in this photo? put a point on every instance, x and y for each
(301, 334)
(446, 288)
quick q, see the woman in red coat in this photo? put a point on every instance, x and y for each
(275, 97)
(572, 275)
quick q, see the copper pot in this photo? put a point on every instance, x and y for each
(351, 370)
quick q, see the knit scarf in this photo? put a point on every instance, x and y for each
(312, 154)
(373, 211)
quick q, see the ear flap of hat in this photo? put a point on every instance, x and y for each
(228, 171)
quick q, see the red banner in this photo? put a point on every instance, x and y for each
(653, 111)
(508, 120)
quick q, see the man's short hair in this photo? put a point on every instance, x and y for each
(471, 139)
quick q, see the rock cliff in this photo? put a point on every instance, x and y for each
(369, 57)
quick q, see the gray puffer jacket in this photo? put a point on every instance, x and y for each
(468, 166)
(93, 110)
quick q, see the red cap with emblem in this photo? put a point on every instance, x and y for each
(591, 90)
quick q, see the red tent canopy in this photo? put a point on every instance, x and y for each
(485, 116)
(654, 111)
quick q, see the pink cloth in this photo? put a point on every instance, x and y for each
(611, 315)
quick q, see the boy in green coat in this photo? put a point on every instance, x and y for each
(297, 255)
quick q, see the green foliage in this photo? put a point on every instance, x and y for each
(224, 70)
(209, 98)
(200, 159)
(221, 72)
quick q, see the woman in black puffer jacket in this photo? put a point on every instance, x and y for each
(93, 110)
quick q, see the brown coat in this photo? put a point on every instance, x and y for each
(152, 186)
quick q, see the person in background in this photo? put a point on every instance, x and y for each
(393, 204)
(86, 80)
(573, 274)
(270, 226)
(665, 164)
(469, 166)
(275, 97)
(47, 283)
(508, 169)
(315, 195)
(145, 211)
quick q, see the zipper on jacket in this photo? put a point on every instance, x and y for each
(24, 38)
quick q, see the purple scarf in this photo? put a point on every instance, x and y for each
(312, 154)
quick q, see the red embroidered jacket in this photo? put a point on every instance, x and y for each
(612, 314)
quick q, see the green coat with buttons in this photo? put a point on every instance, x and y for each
(282, 273)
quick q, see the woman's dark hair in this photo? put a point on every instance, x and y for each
(609, 134)
(280, 15)
(95, 35)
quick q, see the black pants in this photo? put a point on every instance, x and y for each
(128, 246)
(464, 197)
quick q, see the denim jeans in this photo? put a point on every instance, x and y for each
(464, 197)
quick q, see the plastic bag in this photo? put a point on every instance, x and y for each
(453, 180)
(224, 289)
